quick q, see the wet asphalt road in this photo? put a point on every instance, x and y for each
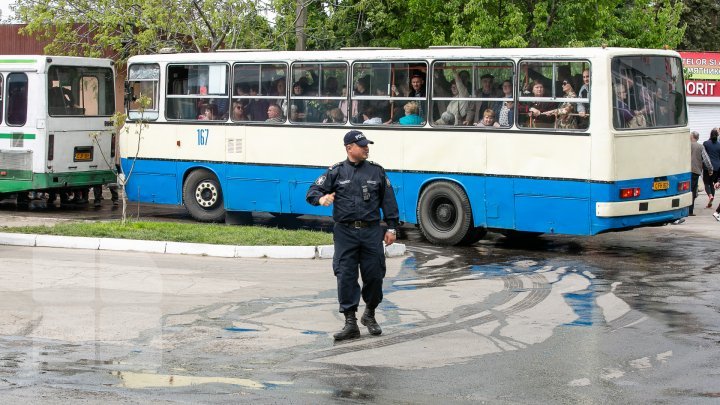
(630, 317)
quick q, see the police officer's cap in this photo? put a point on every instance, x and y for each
(357, 137)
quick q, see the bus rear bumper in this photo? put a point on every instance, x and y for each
(642, 207)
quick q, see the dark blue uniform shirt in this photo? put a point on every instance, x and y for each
(361, 190)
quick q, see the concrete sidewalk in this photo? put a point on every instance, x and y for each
(202, 249)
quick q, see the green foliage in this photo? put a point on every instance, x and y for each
(488, 23)
(122, 28)
(182, 232)
(702, 18)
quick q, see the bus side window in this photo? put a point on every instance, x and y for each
(257, 87)
(1, 99)
(548, 94)
(17, 86)
(144, 80)
(315, 94)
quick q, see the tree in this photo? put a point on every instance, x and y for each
(702, 18)
(493, 23)
(122, 28)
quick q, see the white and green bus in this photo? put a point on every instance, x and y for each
(56, 134)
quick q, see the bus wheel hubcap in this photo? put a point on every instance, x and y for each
(206, 194)
(445, 215)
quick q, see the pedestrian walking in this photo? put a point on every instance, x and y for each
(358, 189)
(712, 147)
(699, 160)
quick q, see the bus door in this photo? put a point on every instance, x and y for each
(18, 147)
(80, 103)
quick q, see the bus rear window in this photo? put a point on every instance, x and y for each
(80, 91)
(648, 92)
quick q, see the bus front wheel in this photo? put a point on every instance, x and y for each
(203, 197)
(445, 216)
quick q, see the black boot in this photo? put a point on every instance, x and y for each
(368, 319)
(350, 330)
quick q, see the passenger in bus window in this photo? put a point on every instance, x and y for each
(646, 103)
(458, 108)
(565, 117)
(299, 107)
(584, 93)
(506, 116)
(383, 108)
(209, 113)
(622, 114)
(361, 89)
(280, 88)
(411, 115)
(257, 107)
(487, 90)
(238, 112)
(275, 114)
(343, 104)
(334, 116)
(534, 109)
(488, 119)
(331, 87)
(370, 116)
(441, 88)
(417, 89)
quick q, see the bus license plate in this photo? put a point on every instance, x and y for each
(83, 156)
(661, 185)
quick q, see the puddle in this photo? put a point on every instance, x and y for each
(146, 380)
(234, 329)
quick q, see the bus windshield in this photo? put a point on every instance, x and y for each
(648, 92)
(80, 91)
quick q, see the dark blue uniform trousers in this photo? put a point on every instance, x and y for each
(358, 248)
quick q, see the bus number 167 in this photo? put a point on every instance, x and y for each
(203, 136)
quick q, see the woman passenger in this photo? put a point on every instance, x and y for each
(565, 117)
(535, 109)
(411, 114)
(238, 112)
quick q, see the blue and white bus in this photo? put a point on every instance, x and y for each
(523, 141)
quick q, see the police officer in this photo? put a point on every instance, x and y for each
(359, 188)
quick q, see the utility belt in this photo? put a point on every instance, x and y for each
(359, 224)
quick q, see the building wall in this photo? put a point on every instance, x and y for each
(14, 43)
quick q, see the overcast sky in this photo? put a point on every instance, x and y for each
(5, 7)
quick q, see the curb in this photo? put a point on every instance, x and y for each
(182, 248)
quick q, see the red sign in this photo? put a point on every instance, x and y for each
(702, 88)
(701, 65)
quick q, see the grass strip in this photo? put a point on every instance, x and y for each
(218, 234)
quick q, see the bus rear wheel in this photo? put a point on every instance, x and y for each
(445, 216)
(203, 197)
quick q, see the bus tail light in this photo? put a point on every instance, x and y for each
(112, 146)
(630, 192)
(51, 147)
(684, 186)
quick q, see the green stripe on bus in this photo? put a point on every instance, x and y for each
(44, 181)
(18, 61)
(16, 136)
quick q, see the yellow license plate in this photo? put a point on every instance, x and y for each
(83, 156)
(661, 185)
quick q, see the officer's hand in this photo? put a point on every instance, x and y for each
(389, 238)
(327, 199)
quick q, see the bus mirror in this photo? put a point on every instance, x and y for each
(127, 93)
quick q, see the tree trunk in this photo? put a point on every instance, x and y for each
(300, 24)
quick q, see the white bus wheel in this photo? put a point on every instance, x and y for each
(445, 216)
(203, 197)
